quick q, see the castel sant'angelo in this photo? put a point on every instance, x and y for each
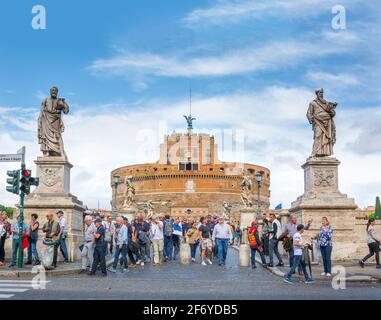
(188, 180)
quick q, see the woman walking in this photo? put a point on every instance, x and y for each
(193, 237)
(255, 244)
(4, 232)
(33, 238)
(325, 241)
(373, 244)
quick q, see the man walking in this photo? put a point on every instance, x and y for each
(121, 245)
(222, 235)
(51, 229)
(99, 249)
(274, 234)
(87, 251)
(290, 230)
(62, 235)
(16, 234)
(298, 244)
(110, 229)
(168, 244)
(157, 238)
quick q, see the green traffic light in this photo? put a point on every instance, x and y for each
(13, 181)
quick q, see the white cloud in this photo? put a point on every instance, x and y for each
(270, 56)
(233, 11)
(326, 79)
(278, 136)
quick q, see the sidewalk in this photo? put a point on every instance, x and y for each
(62, 269)
(351, 271)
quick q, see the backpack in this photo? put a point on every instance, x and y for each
(168, 229)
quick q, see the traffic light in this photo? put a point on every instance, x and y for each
(27, 180)
(13, 181)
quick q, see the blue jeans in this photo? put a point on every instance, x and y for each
(326, 255)
(273, 248)
(168, 247)
(62, 245)
(15, 247)
(32, 250)
(119, 251)
(297, 263)
(193, 248)
(222, 246)
(176, 246)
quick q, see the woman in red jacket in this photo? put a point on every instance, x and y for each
(255, 244)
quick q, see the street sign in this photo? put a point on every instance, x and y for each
(11, 157)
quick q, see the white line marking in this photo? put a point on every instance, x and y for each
(12, 290)
(6, 296)
(21, 281)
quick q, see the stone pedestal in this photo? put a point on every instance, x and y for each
(322, 198)
(129, 213)
(247, 216)
(53, 194)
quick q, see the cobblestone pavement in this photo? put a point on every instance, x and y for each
(194, 282)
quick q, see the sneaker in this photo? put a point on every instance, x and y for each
(287, 280)
(361, 263)
(142, 264)
(125, 270)
(280, 264)
(112, 270)
(309, 281)
(210, 262)
(11, 265)
(37, 263)
(264, 265)
(270, 265)
(66, 262)
(139, 262)
(378, 266)
(323, 274)
(203, 263)
(329, 275)
(193, 260)
(28, 263)
(254, 267)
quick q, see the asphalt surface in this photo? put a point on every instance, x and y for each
(192, 282)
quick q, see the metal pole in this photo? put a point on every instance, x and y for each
(259, 214)
(21, 225)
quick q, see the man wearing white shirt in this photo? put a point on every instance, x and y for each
(157, 238)
(62, 235)
(221, 236)
(87, 251)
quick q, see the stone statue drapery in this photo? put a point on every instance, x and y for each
(246, 191)
(320, 114)
(50, 125)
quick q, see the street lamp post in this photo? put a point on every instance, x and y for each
(115, 185)
(258, 177)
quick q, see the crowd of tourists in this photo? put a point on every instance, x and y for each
(158, 240)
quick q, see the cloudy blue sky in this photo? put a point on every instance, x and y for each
(125, 68)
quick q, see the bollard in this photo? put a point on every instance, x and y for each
(185, 253)
(244, 250)
(244, 255)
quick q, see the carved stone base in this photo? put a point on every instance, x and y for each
(247, 216)
(129, 213)
(322, 198)
(53, 194)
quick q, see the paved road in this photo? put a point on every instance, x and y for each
(174, 281)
